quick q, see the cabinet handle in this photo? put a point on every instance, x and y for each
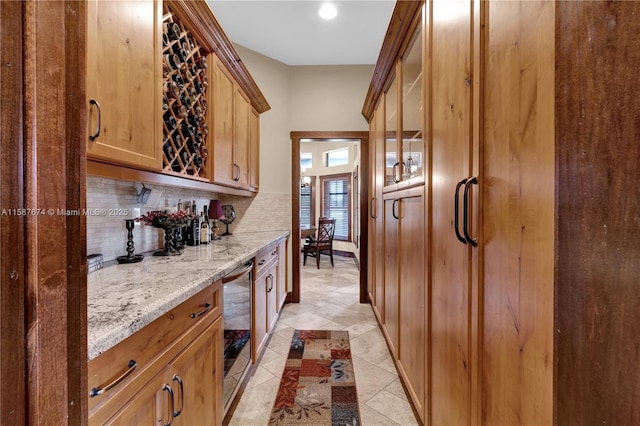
(178, 379)
(168, 389)
(393, 209)
(271, 286)
(273, 253)
(97, 133)
(237, 169)
(371, 206)
(102, 389)
(262, 262)
(465, 220)
(456, 203)
(207, 306)
(395, 174)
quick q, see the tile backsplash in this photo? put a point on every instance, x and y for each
(115, 201)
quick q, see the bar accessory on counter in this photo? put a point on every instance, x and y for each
(215, 214)
(130, 257)
(229, 217)
(168, 222)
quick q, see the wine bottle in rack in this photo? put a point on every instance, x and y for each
(170, 121)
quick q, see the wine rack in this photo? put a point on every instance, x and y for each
(184, 105)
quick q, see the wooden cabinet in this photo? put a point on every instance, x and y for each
(281, 279)
(405, 295)
(269, 293)
(390, 282)
(376, 215)
(451, 273)
(195, 376)
(241, 143)
(236, 133)
(206, 126)
(124, 82)
(171, 370)
(254, 150)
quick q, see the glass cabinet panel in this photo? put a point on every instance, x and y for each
(391, 135)
(412, 149)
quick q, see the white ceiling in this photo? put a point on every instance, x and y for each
(292, 32)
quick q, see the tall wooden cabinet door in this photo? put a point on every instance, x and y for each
(378, 206)
(518, 210)
(272, 297)
(371, 221)
(390, 236)
(450, 267)
(281, 279)
(221, 101)
(259, 314)
(124, 82)
(241, 143)
(195, 377)
(150, 406)
(412, 294)
(254, 152)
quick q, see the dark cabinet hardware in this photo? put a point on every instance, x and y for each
(207, 306)
(465, 220)
(178, 379)
(168, 389)
(97, 133)
(456, 208)
(102, 389)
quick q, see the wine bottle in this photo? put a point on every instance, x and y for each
(204, 227)
(187, 235)
(195, 225)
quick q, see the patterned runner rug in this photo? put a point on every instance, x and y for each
(318, 386)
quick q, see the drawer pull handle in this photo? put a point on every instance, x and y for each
(273, 253)
(102, 389)
(262, 262)
(168, 389)
(207, 306)
(271, 286)
(97, 132)
(178, 379)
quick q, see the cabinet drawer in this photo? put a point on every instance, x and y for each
(117, 364)
(265, 257)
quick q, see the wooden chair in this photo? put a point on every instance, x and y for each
(324, 242)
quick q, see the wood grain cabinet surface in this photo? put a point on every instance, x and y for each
(123, 82)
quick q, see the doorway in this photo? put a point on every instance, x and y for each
(361, 207)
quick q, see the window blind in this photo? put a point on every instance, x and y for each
(306, 213)
(336, 196)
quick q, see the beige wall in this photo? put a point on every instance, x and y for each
(329, 97)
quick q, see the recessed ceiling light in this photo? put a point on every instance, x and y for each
(328, 11)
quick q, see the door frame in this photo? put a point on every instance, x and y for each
(296, 136)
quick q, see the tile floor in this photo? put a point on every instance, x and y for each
(330, 301)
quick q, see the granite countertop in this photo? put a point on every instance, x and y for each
(121, 299)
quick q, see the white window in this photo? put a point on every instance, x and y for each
(337, 157)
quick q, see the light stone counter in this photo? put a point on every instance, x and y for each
(124, 298)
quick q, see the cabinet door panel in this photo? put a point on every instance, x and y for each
(379, 212)
(123, 75)
(391, 273)
(272, 297)
(450, 326)
(412, 296)
(517, 377)
(259, 315)
(199, 369)
(281, 279)
(241, 141)
(222, 103)
(151, 406)
(254, 153)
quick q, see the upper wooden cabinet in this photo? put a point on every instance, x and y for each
(137, 52)
(123, 82)
(254, 150)
(234, 124)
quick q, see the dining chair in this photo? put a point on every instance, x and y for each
(323, 243)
